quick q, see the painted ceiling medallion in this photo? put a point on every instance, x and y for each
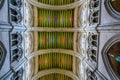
(113, 7)
(1, 3)
(2, 54)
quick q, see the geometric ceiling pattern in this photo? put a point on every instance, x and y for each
(54, 63)
(55, 40)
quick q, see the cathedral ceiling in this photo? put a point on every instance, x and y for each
(53, 39)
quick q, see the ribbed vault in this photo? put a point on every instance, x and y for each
(54, 31)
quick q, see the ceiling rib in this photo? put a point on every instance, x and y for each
(75, 37)
(59, 71)
(35, 37)
(51, 7)
(40, 29)
(46, 51)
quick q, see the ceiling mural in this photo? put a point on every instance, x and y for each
(55, 40)
(48, 46)
(56, 19)
(55, 60)
(59, 40)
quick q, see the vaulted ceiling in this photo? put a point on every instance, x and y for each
(54, 38)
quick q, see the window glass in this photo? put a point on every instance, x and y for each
(115, 4)
(114, 58)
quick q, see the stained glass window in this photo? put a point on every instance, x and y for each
(114, 58)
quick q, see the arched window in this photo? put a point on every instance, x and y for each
(114, 57)
(115, 4)
(17, 51)
(15, 11)
(94, 9)
(16, 39)
(111, 57)
(17, 54)
(1, 3)
(2, 54)
(113, 7)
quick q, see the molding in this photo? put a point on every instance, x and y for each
(35, 23)
(110, 24)
(51, 7)
(109, 27)
(4, 26)
(41, 29)
(46, 51)
(16, 66)
(59, 71)
(23, 28)
(7, 75)
(93, 69)
(100, 75)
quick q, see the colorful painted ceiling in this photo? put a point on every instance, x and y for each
(56, 19)
(55, 60)
(55, 40)
(50, 41)
(58, 40)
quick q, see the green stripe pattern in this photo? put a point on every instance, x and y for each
(55, 60)
(62, 40)
(61, 19)
(55, 40)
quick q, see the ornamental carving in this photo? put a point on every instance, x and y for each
(28, 20)
(94, 12)
(28, 42)
(15, 11)
(92, 47)
(2, 54)
(16, 42)
(83, 14)
(82, 42)
(18, 75)
(91, 75)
